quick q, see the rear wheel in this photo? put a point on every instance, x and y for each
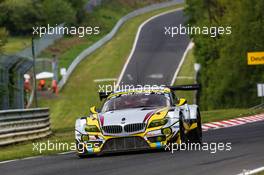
(193, 136)
(183, 135)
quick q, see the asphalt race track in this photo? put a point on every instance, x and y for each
(158, 55)
(247, 153)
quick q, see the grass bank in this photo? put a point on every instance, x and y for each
(186, 76)
(105, 16)
(221, 114)
(16, 44)
(260, 173)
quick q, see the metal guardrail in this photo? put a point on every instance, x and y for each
(110, 35)
(22, 125)
(260, 106)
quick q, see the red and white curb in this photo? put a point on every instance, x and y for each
(232, 122)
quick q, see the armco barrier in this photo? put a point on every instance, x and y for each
(110, 35)
(21, 125)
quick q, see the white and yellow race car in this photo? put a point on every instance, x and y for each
(138, 119)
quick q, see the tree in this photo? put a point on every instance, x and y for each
(57, 12)
(79, 7)
(226, 78)
(20, 16)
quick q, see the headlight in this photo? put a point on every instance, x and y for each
(166, 131)
(85, 138)
(91, 128)
(159, 122)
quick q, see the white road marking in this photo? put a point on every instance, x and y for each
(136, 40)
(129, 76)
(189, 47)
(156, 76)
(184, 77)
(8, 161)
(254, 171)
(64, 153)
(34, 157)
(105, 79)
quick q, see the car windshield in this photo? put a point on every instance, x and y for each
(136, 101)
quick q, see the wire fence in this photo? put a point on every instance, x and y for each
(13, 68)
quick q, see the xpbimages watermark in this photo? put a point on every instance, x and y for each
(64, 30)
(213, 32)
(209, 147)
(108, 88)
(212, 147)
(42, 147)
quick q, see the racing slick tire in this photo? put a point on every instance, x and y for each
(84, 151)
(193, 136)
(183, 135)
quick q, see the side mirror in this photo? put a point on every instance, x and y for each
(93, 110)
(182, 101)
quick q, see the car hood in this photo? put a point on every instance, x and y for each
(127, 116)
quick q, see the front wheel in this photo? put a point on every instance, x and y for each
(81, 151)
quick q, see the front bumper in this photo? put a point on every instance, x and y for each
(150, 139)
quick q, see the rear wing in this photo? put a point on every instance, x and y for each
(190, 87)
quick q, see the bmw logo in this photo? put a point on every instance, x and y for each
(123, 120)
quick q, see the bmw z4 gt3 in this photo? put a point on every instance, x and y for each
(136, 120)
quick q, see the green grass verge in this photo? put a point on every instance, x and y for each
(185, 77)
(260, 173)
(26, 149)
(81, 92)
(221, 114)
(16, 44)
